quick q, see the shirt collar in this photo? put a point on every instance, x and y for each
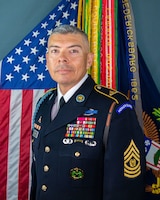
(70, 92)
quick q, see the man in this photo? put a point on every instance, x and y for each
(92, 147)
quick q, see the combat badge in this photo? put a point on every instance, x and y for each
(132, 168)
(90, 112)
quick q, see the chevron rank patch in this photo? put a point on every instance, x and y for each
(132, 168)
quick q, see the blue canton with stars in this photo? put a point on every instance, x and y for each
(25, 66)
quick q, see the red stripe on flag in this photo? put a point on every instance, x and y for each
(25, 142)
(4, 136)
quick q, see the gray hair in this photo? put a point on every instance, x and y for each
(64, 29)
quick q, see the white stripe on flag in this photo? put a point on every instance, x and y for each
(14, 144)
(21, 107)
(37, 94)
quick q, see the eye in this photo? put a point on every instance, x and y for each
(74, 51)
(54, 51)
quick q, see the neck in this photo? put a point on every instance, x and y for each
(64, 89)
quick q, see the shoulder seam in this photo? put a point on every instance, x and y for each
(95, 87)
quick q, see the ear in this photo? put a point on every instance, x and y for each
(90, 58)
(46, 56)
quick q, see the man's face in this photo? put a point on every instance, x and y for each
(68, 59)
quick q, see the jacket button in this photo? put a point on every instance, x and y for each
(46, 168)
(77, 154)
(44, 188)
(47, 149)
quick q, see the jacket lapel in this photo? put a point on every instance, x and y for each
(75, 107)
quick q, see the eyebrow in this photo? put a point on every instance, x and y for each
(75, 45)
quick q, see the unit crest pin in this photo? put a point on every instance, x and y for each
(80, 98)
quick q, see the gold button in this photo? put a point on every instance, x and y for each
(46, 168)
(47, 149)
(77, 154)
(44, 188)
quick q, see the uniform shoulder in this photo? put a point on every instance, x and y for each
(115, 95)
(45, 97)
(48, 94)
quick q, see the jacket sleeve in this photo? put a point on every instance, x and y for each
(124, 162)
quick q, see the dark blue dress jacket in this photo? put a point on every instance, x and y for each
(92, 150)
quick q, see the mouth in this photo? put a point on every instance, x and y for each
(63, 69)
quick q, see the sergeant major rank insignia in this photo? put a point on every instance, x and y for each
(132, 167)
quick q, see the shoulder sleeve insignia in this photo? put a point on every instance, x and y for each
(123, 107)
(132, 168)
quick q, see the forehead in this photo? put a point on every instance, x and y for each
(66, 39)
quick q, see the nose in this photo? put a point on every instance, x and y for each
(63, 58)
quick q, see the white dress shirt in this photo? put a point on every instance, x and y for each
(66, 97)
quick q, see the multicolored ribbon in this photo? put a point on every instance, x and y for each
(90, 18)
(97, 19)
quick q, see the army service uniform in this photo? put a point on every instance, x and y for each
(92, 150)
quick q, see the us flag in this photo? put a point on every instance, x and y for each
(24, 78)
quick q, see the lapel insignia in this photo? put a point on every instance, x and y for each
(80, 98)
(76, 173)
(40, 119)
(132, 167)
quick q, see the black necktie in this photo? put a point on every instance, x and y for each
(61, 102)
